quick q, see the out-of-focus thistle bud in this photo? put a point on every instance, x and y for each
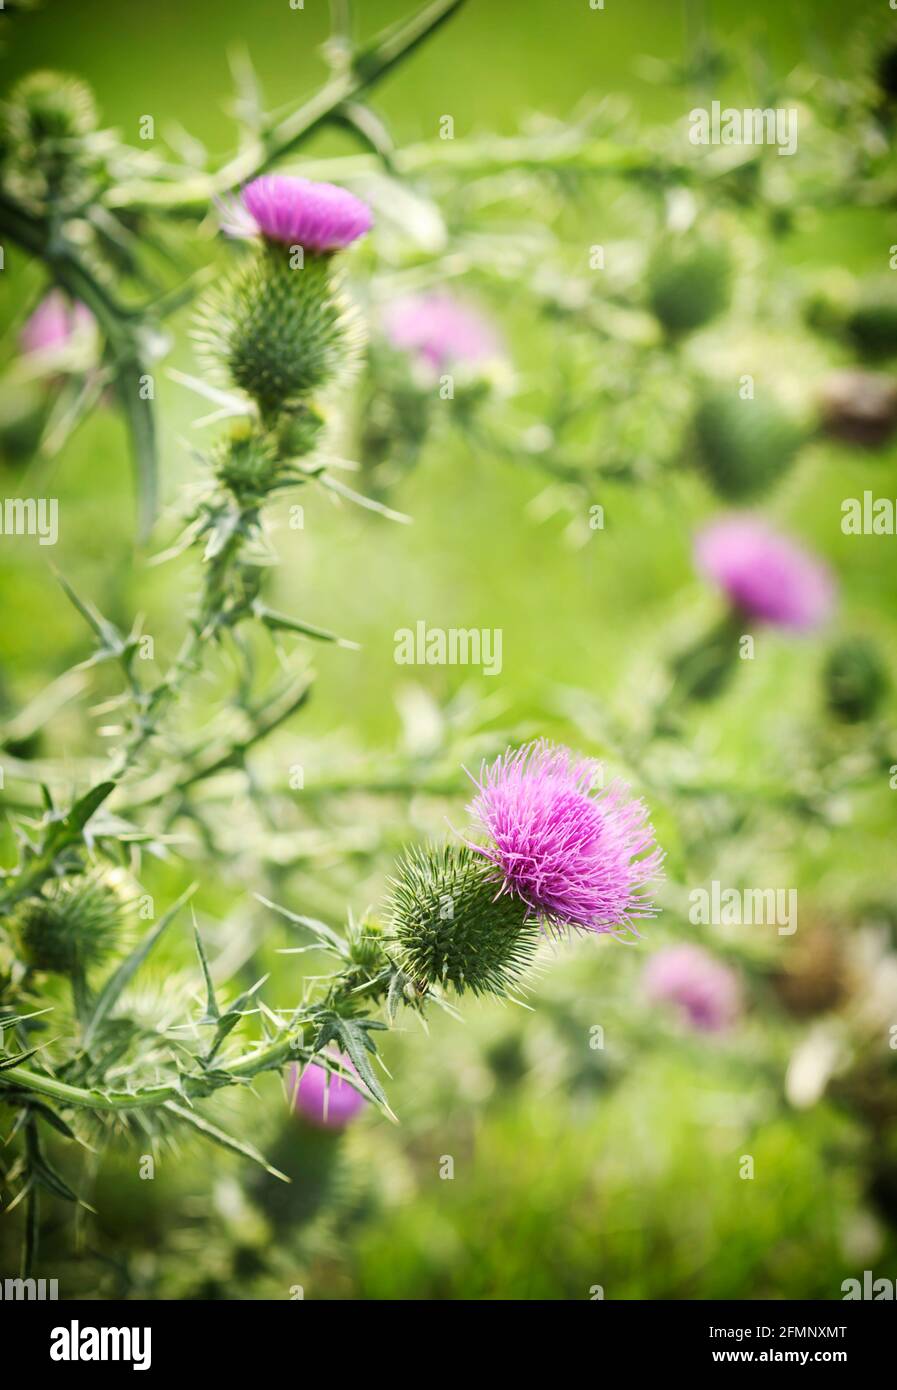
(812, 980)
(829, 302)
(45, 122)
(688, 284)
(855, 679)
(859, 407)
(73, 924)
(452, 926)
(246, 463)
(872, 327)
(50, 106)
(887, 73)
(299, 432)
(743, 446)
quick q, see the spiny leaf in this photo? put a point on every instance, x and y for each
(319, 929)
(219, 1136)
(212, 1013)
(17, 1060)
(142, 426)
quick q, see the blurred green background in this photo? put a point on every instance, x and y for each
(574, 1167)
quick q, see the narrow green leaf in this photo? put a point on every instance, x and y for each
(50, 1116)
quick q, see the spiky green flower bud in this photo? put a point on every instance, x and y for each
(688, 284)
(872, 326)
(855, 679)
(299, 432)
(246, 463)
(44, 126)
(744, 446)
(73, 924)
(280, 328)
(452, 927)
(49, 106)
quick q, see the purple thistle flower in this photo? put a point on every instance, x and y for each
(323, 1098)
(439, 329)
(766, 575)
(706, 991)
(55, 321)
(319, 217)
(569, 851)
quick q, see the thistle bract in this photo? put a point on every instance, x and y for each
(279, 328)
(454, 926)
(575, 853)
(73, 924)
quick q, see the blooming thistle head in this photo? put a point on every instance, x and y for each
(438, 329)
(576, 856)
(323, 1098)
(319, 217)
(452, 925)
(765, 575)
(707, 992)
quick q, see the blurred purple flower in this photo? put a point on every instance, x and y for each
(439, 329)
(766, 576)
(54, 322)
(565, 848)
(323, 1098)
(316, 216)
(706, 991)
